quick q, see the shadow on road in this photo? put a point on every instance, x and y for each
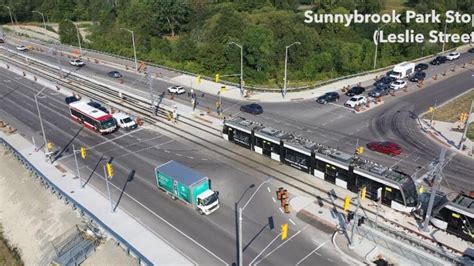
(93, 170)
(66, 147)
(129, 179)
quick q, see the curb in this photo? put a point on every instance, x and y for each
(356, 262)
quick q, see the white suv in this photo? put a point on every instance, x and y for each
(21, 48)
(356, 100)
(398, 84)
(453, 55)
(77, 62)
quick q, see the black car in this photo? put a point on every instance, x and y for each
(355, 91)
(114, 74)
(418, 76)
(98, 106)
(252, 108)
(421, 67)
(384, 81)
(470, 50)
(439, 60)
(379, 91)
(328, 97)
(71, 99)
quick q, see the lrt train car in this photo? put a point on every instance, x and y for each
(395, 189)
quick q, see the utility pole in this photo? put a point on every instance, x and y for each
(377, 44)
(149, 81)
(351, 242)
(241, 67)
(107, 175)
(78, 37)
(285, 79)
(42, 16)
(77, 165)
(436, 173)
(466, 125)
(134, 49)
(433, 113)
(445, 28)
(10, 12)
(41, 120)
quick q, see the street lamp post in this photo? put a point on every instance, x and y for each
(445, 28)
(42, 16)
(286, 67)
(240, 211)
(9, 11)
(78, 37)
(134, 49)
(377, 45)
(41, 121)
(241, 67)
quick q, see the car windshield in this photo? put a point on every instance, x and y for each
(209, 200)
(354, 99)
(127, 120)
(107, 123)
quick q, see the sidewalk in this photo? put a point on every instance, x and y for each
(231, 92)
(147, 243)
(445, 134)
(369, 244)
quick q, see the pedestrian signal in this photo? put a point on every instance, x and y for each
(347, 203)
(284, 231)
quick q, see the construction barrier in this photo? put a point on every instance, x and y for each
(444, 73)
(35, 78)
(24, 74)
(435, 77)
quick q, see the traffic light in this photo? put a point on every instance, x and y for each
(83, 153)
(359, 150)
(431, 109)
(363, 191)
(218, 78)
(284, 231)
(109, 169)
(49, 146)
(198, 79)
(361, 221)
(350, 216)
(462, 117)
(347, 203)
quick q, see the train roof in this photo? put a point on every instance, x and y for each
(242, 124)
(462, 204)
(271, 134)
(90, 111)
(372, 169)
(300, 143)
(334, 155)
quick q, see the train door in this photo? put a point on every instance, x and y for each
(267, 148)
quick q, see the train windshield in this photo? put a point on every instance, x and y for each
(409, 191)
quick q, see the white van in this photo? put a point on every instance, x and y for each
(124, 121)
(403, 70)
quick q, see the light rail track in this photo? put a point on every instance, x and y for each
(205, 139)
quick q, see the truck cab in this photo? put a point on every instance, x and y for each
(208, 202)
(124, 121)
(403, 70)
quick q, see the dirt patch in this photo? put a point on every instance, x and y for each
(8, 255)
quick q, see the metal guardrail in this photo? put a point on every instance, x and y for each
(30, 167)
(253, 88)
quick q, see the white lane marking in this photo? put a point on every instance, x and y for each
(147, 148)
(269, 244)
(269, 190)
(112, 139)
(203, 159)
(316, 249)
(279, 246)
(179, 155)
(162, 219)
(167, 151)
(291, 221)
(274, 200)
(190, 157)
(280, 210)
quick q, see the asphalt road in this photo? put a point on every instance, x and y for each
(336, 126)
(204, 239)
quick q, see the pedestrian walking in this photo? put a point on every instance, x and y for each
(175, 115)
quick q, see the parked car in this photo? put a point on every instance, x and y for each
(421, 67)
(21, 48)
(71, 99)
(356, 100)
(398, 84)
(356, 90)
(176, 90)
(98, 106)
(77, 62)
(384, 81)
(114, 74)
(328, 97)
(453, 56)
(252, 108)
(419, 76)
(439, 60)
(470, 50)
(386, 147)
(379, 91)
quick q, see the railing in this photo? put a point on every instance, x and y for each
(30, 167)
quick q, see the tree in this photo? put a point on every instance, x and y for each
(171, 15)
(67, 33)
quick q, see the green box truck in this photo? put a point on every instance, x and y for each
(183, 183)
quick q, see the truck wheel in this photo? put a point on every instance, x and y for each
(200, 212)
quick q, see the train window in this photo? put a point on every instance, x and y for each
(297, 158)
(275, 148)
(242, 137)
(225, 130)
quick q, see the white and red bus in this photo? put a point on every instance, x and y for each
(92, 118)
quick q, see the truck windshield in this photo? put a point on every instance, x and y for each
(127, 120)
(211, 199)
